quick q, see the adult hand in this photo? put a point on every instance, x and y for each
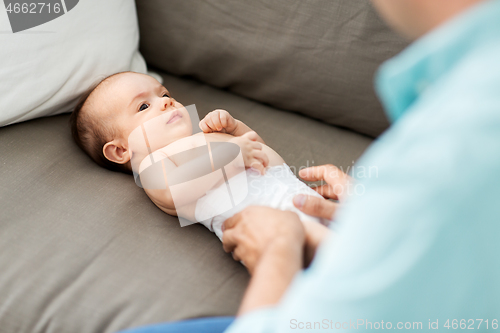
(258, 231)
(336, 186)
(270, 243)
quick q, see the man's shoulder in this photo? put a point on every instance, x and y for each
(477, 76)
(466, 99)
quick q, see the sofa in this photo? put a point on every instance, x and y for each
(83, 249)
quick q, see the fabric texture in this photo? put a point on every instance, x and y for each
(83, 249)
(45, 69)
(313, 57)
(416, 250)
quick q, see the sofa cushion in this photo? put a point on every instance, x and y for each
(83, 249)
(313, 57)
(45, 69)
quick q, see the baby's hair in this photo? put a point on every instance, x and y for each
(91, 134)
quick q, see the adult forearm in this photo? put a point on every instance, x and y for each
(316, 233)
(272, 275)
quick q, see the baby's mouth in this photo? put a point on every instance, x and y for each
(176, 115)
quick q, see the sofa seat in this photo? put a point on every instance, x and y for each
(83, 249)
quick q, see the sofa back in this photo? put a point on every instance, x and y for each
(317, 57)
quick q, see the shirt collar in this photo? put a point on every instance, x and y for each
(401, 80)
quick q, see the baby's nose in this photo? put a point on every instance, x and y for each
(167, 103)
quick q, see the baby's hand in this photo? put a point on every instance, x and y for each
(218, 121)
(252, 152)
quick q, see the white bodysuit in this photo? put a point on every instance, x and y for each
(276, 189)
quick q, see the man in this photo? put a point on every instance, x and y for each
(419, 248)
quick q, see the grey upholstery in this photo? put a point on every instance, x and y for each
(83, 249)
(313, 57)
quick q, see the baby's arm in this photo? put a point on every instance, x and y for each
(160, 197)
(222, 121)
(167, 172)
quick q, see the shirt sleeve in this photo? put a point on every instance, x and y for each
(416, 242)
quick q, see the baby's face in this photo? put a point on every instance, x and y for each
(139, 101)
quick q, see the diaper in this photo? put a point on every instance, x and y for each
(276, 189)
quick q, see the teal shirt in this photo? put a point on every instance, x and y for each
(420, 242)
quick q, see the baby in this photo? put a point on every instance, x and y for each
(128, 104)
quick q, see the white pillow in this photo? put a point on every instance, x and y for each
(44, 70)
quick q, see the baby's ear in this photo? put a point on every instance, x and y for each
(116, 152)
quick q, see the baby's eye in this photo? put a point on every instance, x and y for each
(143, 107)
(166, 95)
